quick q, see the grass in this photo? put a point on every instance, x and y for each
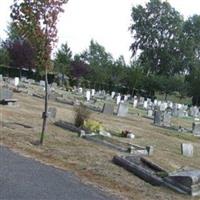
(92, 162)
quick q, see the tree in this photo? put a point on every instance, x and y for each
(191, 56)
(99, 61)
(62, 61)
(21, 54)
(4, 56)
(79, 69)
(156, 30)
(37, 20)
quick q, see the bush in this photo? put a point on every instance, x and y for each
(82, 114)
(93, 126)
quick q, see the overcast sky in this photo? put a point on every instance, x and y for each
(105, 21)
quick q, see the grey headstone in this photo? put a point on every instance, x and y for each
(187, 180)
(196, 128)
(167, 119)
(150, 113)
(158, 117)
(52, 112)
(187, 149)
(1, 78)
(5, 94)
(122, 110)
(108, 108)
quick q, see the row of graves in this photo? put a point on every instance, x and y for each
(132, 157)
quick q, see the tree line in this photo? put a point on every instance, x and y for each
(165, 55)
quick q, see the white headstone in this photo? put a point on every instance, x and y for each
(187, 149)
(93, 92)
(1, 77)
(125, 97)
(112, 94)
(118, 99)
(135, 103)
(145, 105)
(88, 95)
(16, 81)
(42, 83)
(80, 90)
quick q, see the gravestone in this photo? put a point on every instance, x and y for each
(16, 81)
(145, 105)
(112, 94)
(187, 149)
(80, 90)
(155, 102)
(181, 112)
(150, 113)
(92, 92)
(5, 94)
(196, 128)
(157, 117)
(122, 110)
(188, 180)
(108, 108)
(42, 83)
(52, 112)
(135, 103)
(1, 77)
(167, 119)
(87, 95)
(118, 99)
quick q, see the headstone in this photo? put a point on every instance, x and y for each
(180, 112)
(16, 81)
(135, 103)
(122, 110)
(188, 180)
(118, 99)
(93, 92)
(163, 106)
(108, 108)
(1, 77)
(125, 97)
(150, 113)
(5, 94)
(196, 128)
(157, 117)
(150, 150)
(167, 119)
(130, 136)
(87, 95)
(80, 90)
(52, 112)
(42, 83)
(145, 105)
(187, 149)
(155, 102)
(112, 94)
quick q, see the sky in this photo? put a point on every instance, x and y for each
(104, 21)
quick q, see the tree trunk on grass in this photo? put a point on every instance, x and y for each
(44, 116)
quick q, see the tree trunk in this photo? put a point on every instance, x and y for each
(165, 96)
(44, 116)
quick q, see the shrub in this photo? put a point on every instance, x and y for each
(93, 126)
(82, 114)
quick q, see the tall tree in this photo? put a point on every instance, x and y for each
(37, 21)
(99, 61)
(156, 29)
(62, 60)
(21, 53)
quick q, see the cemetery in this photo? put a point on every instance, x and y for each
(157, 148)
(126, 125)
